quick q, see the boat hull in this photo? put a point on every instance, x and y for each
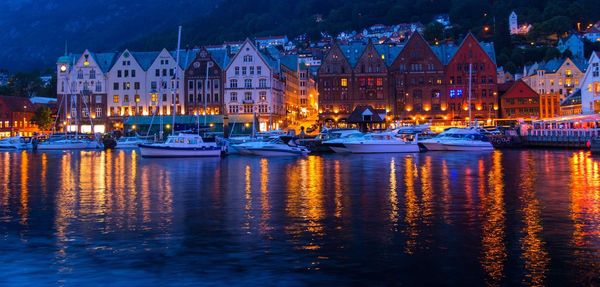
(166, 152)
(276, 152)
(337, 147)
(457, 147)
(381, 148)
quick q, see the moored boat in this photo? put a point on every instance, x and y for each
(182, 145)
(386, 142)
(458, 139)
(133, 142)
(280, 146)
(69, 142)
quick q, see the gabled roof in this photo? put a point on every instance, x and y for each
(105, 61)
(390, 53)
(444, 52)
(353, 52)
(290, 61)
(145, 59)
(220, 56)
(488, 48)
(521, 85)
(357, 115)
(185, 57)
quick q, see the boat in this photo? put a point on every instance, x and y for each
(329, 138)
(69, 142)
(14, 143)
(182, 145)
(279, 146)
(337, 138)
(458, 139)
(385, 142)
(133, 142)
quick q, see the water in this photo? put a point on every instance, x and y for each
(113, 218)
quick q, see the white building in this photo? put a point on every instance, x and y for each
(82, 90)
(590, 86)
(253, 85)
(126, 86)
(161, 86)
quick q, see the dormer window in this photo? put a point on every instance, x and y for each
(248, 58)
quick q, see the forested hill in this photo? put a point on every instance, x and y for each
(34, 31)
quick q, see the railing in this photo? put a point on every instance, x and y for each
(590, 133)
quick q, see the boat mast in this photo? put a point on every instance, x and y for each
(470, 84)
(176, 84)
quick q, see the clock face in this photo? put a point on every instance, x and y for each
(63, 68)
(196, 65)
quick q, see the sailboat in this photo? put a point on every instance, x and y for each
(181, 145)
(68, 141)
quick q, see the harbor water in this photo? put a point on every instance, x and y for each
(112, 218)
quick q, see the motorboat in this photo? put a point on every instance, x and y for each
(14, 143)
(279, 146)
(133, 142)
(181, 145)
(70, 142)
(385, 142)
(458, 139)
(337, 137)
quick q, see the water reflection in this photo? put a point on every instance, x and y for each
(362, 219)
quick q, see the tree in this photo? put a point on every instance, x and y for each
(43, 118)
(434, 31)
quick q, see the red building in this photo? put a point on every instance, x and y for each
(202, 89)
(520, 101)
(15, 117)
(417, 77)
(472, 65)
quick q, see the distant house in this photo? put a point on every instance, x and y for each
(270, 41)
(520, 101)
(592, 33)
(590, 86)
(513, 25)
(15, 117)
(573, 44)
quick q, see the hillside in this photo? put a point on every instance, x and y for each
(33, 32)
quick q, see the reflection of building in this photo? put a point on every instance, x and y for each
(590, 86)
(520, 101)
(15, 117)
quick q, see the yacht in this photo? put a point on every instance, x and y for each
(280, 146)
(133, 142)
(386, 142)
(70, 142)
(14, 143)
(458, 139)
(182, 145)
(336, 139)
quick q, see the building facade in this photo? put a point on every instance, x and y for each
(16, 115)
(126, 88)
(590, 86)
(520, 101)
(204, 82)
(253, 84)
(557, 77)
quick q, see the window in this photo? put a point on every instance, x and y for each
(164, 97)
(190, 85)
(251, 70)
(171, 72)
(263, 96)
(126, 73)
(379, 82)
(199, 85)
(136, 85)
(92, 74)
(262, 109)
(154, 97)
(216, 97)
(233, 97)
(98, 99)
(248, 58)
(237, 71)
(133, 73)
(164, 72)
(98, 87)
(157, 72)
(248, 96)
(233, 83)
(258, 70)
(80, 74)
(126, 99)
(98, 112)
(344, 82)
(115, 99)
(216, 84)
(247, 109)
(116, 86)
(153, 85)
(262, 83)
(247, 83)
(233, 109)
(243, 71)
(137, 98)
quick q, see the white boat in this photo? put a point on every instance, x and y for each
(458, 139)
(69, 142)
(276, 147)
(386, 142)
(14, 143)
(132, 142)
(337, 138)
(182, 145)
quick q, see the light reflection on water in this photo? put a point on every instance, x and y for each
(499, 218)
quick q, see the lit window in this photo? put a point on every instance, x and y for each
(344, 82)
(115, 99)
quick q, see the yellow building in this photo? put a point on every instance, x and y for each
(557, 77)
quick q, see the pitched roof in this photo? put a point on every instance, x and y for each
(145, 59)
(290, 61)
(105, 61)
(572, 99)
(185, 57)
(444, 52)
(389, 52)
(353, 52)
(520, 84)
(357, 115)
(16, 104)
